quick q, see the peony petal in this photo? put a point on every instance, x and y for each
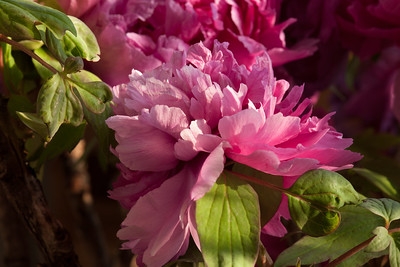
(209, 173)
(154, 224)
(141, 146)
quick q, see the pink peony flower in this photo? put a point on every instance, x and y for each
(177, 125)
(143, 34)
(369, 26)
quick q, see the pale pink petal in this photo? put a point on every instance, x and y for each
(209, 173)
(232, 101)
(139, 152)
(170, 120)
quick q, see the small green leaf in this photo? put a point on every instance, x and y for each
(228, 223)
(52, 103)
(33, 149)
(74, 112)
(12, 75)
(93, 95)
(18, 20)
(17, 23)
(31, 44)
(356, 227)
(54, 45)
(315, 198)
(394, 250)
(384, 207)
(57, 104)
(381, 240)
(34, 122)
(83, 44)
(44, 72)
(84, 76)
(66, 138)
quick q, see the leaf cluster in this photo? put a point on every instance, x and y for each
(339, 226)
(43, 63)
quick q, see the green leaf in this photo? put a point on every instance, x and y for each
(84, 76)
(12, 75)
(394, 250)
(44, 72)
(269, 199)
(66, 138)
(384, 207)
(356, 227)
(228, 223)
(57, 104)
(315, 198)
(380, 181)
(74, 112)
(83, 44)
(52, 103)
(18, 20)
(93, 95)
(381, 240)
(34, 122)
(31, 44)
(54, 45)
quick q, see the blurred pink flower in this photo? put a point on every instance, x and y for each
(143, 34)
(138, 34)
(368, 26)
(177, 125)
(394, 89)
(316, 19)
(76, 7)
(250, 28)
(375, 85)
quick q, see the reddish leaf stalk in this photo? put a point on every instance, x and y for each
(21, 47)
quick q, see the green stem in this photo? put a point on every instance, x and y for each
(351, 252)
(394, 230)
(356, 249)
(21, 47)
(260, 182)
